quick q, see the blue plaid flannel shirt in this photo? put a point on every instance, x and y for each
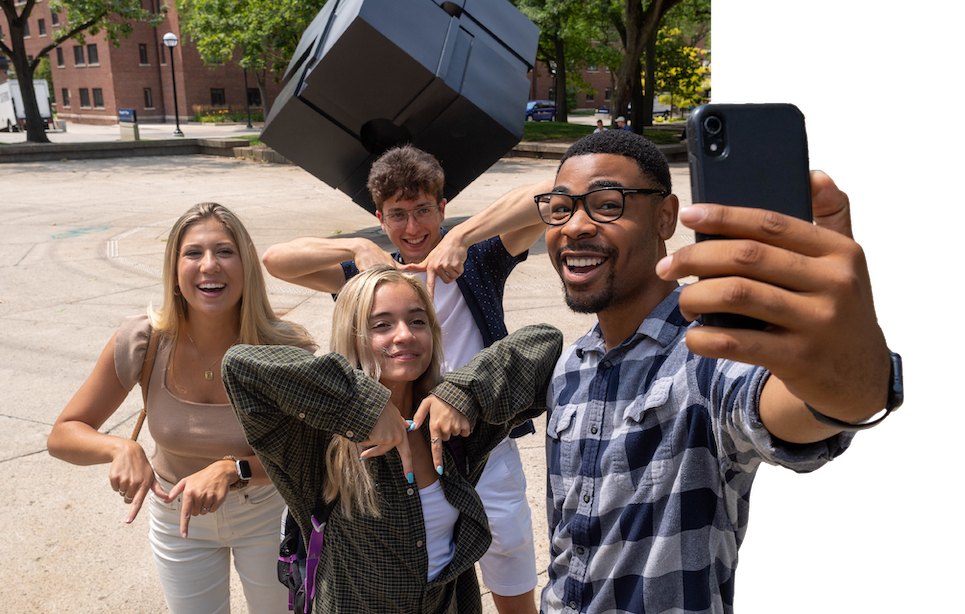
(651, 452)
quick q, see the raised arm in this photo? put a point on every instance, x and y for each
(810, 281)
(513, 217)
(315, 263)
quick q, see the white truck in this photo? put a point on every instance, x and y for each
(11, 104)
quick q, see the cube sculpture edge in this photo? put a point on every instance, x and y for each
(447, 77)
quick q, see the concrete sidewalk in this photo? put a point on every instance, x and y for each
(81, 247)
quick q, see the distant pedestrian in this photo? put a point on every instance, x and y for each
(622, 124)
(599, 126)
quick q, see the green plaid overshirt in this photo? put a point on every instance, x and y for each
(290, 403)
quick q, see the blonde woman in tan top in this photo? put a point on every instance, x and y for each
(207, 493)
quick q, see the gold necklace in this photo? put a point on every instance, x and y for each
(208, 373)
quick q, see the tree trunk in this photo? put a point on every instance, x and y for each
(33, 122)
(261, 77)
(649, 90)
(640, 26)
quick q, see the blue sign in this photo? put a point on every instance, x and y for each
(127, 115)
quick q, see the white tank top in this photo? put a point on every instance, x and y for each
(440, 518)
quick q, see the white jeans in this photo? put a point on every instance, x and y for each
(509, 566)
(194, 572)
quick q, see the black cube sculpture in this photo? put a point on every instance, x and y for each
(448, 77)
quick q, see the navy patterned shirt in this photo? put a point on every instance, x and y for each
(651, 453)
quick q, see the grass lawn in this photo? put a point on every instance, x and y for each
(543, 131)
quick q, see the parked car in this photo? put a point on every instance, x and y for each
(540, 110)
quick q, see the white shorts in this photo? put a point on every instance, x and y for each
(194, 572)
(509, 566)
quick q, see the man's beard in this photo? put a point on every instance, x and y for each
(590, 303)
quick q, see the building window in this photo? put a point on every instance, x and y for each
(589, 97)
(608, 94)
(42, 27)
(161, 55)
(26, 29)
(142, 49)
(55, 19)
(98, 98)
(217, 97)
(148, 98)
(78, 55)
(593, 68)
(92, 54)
(60, 57)
(254, 97)
(65, 97)
(84, 98)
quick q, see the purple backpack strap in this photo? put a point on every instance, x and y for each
(315, 543)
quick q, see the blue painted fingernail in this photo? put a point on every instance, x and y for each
(439, 469)
(411, 424)
(362, 458)
(411, 478)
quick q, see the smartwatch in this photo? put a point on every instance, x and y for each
(244, 471)
(896, 396)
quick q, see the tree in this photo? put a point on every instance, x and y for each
(265, 31)
(679, 70)
(113, 17)
(637, 22)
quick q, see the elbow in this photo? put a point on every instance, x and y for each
(270, 260)
(55, 445)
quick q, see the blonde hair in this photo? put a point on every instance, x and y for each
(259, 324)
(349, 477)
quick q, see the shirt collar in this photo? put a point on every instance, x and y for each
(664, 324)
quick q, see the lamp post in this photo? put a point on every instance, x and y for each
(247, 107)
(171, 41)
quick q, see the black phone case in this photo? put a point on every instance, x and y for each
(760, 160)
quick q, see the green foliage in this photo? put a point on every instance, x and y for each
(43, 72)
(679, 71)
(265, 31)
(113, 17)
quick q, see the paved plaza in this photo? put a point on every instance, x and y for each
(81, 248)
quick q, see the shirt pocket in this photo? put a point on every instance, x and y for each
(562, 428)
(642, 455)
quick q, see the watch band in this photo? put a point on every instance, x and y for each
(896, 396)
(244, 471)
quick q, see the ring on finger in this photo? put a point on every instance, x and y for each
(205, 509)
(121, 493)
(433, 440)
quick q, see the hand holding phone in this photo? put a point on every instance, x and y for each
(748, 155)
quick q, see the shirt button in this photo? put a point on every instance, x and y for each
(349, 434)
(579, 550)
(419, 543)
(573, 605)
(301, 416)
(606, 364)
(409, 491)
(594, 430)
(586, 498)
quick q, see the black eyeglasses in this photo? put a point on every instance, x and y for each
(603, 205)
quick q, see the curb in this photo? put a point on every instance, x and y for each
(47, 152)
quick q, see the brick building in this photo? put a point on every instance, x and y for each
(599, 77)
(92, 81)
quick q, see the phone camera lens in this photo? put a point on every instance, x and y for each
(712, 125)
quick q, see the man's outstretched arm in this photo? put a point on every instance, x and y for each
(316, 263)
(811, 283)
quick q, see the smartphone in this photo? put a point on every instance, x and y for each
(748, 155)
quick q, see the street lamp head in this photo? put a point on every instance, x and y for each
(170, 40)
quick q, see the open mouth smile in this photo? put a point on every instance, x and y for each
(211, 288)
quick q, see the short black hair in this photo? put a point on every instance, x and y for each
(652, 162)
